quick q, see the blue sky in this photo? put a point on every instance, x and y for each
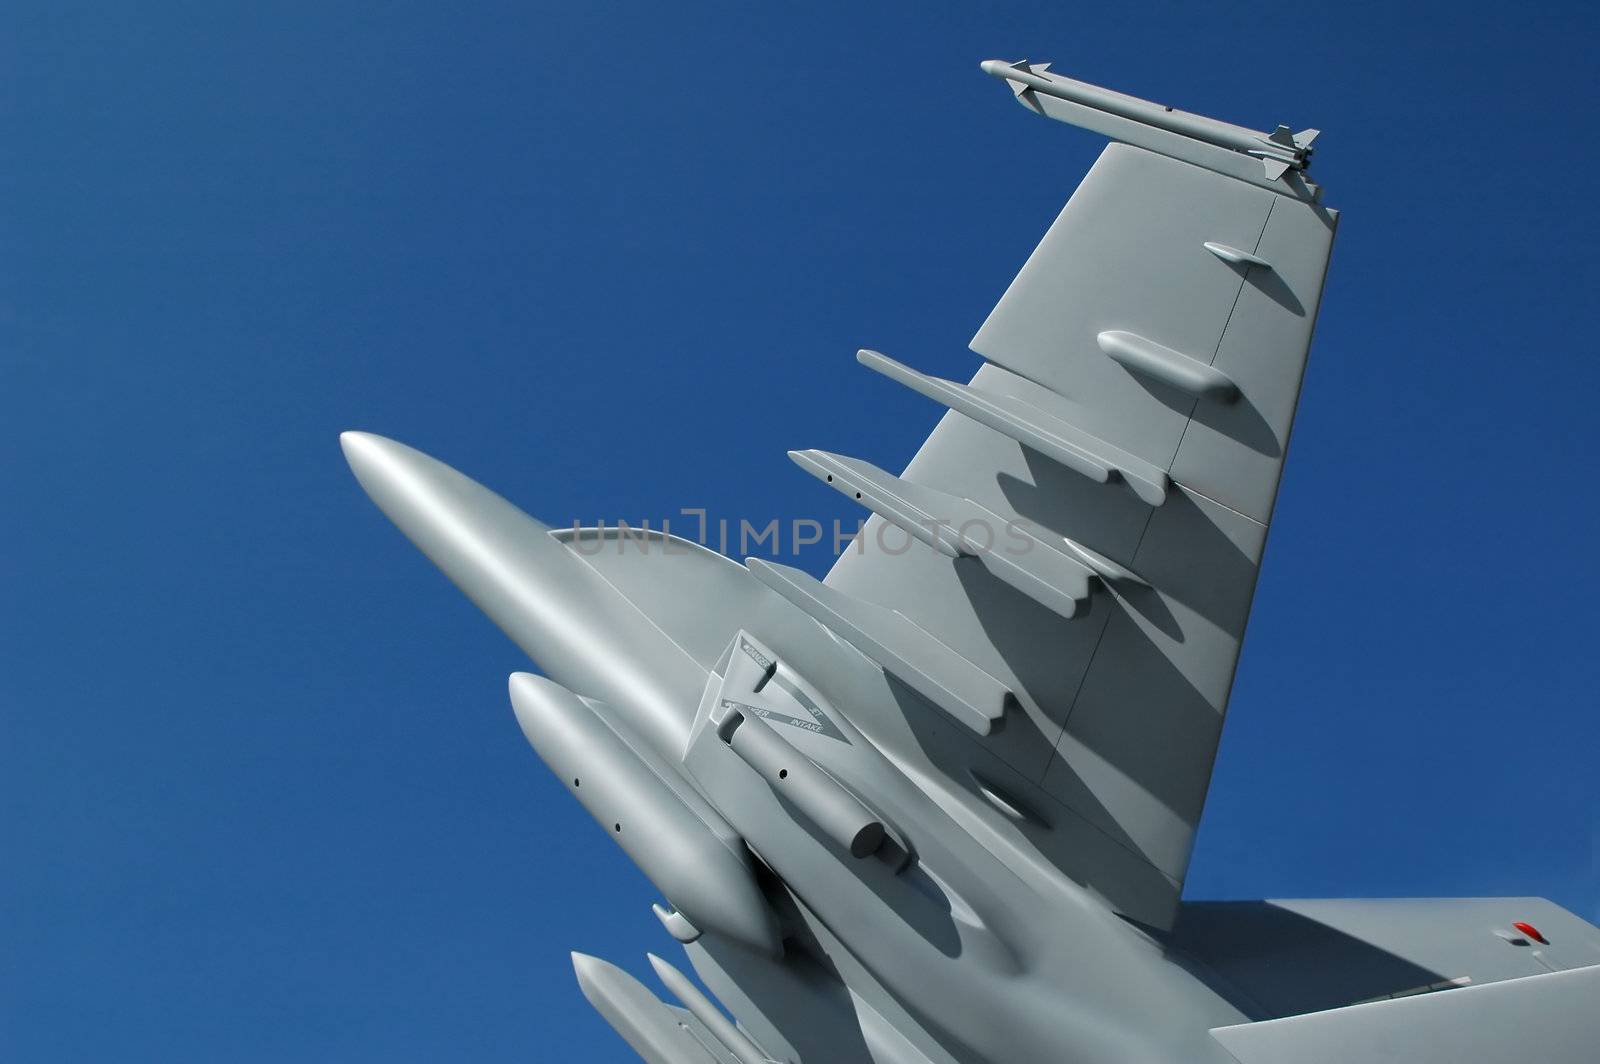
(263, 796)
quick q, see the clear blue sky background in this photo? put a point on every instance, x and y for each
(261, 795)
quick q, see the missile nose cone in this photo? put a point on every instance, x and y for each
(995, 68)
(357, 446)
(663, 969)
(373, 459)
(587, 968)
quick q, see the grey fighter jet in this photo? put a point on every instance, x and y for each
(937, 808)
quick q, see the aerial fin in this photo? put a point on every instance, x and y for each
(1024, 92)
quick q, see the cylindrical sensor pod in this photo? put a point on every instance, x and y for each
(826, 803)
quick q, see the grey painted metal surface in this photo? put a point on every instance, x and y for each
(701, 1008)
(961, 529)
(675, 837)
(1550, 1018)
(818, 796)
(659, 1034)
(1287, 958)
(1276, 160)
(937, 808)
(1183, 372)
(1075, 449)
(1279, 151)
(916, 658)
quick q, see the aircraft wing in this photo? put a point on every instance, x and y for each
(1549, 1018)
(1132, 412)
(1291, 957)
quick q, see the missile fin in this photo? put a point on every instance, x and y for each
(1283, 135)
(1304, 138)
(1214, 145)
(1275, 168)
(1023, 92)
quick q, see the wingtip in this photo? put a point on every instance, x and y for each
(879, 362)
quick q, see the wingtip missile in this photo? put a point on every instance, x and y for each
(1281, 151)
(999, 68)
(586, 967)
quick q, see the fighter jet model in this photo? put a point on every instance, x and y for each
(937, 808)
